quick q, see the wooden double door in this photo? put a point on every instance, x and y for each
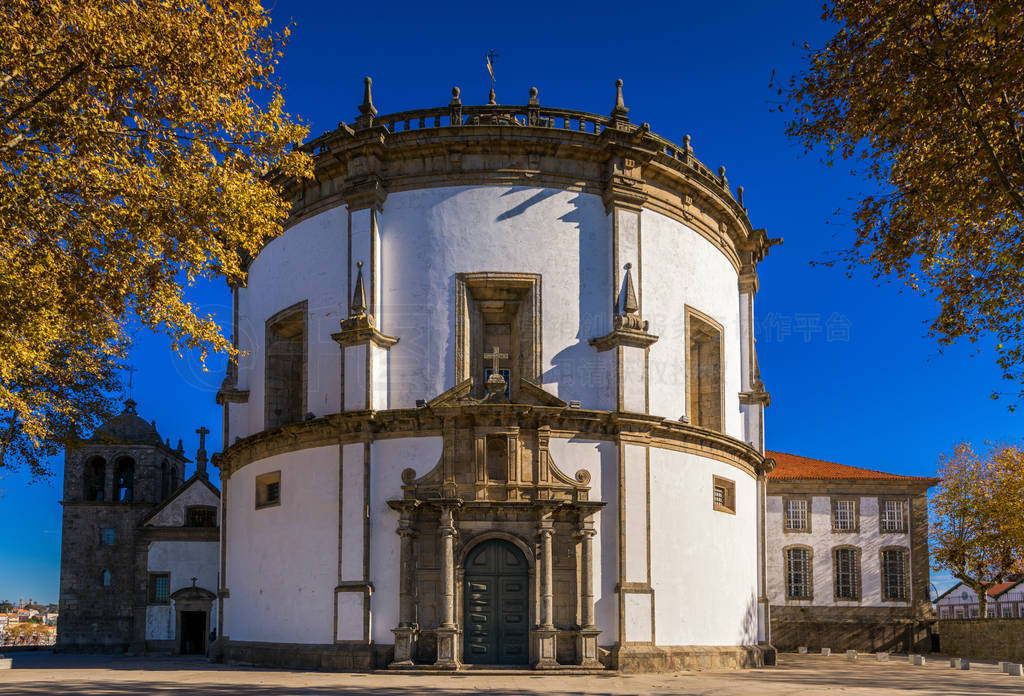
(497, 607)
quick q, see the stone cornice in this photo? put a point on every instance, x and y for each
(359, 426)
(627, 166)
(861, 487)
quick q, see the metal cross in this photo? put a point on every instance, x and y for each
(131, 371)
(491, 56)
(496, 356)
(203, 431)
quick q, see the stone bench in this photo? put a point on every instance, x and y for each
(826, 651)
(851, 655)
(882, 657)
(915, 659)
(959, 663)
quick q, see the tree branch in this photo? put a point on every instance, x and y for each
(36, 100)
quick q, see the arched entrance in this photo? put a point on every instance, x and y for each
(497, 605)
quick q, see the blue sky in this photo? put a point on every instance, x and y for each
(853, 377)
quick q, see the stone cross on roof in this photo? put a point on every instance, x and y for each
(495, 356)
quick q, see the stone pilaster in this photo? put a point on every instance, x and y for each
(448, 631)
(407, 631)
(545, 636)
(586, 637)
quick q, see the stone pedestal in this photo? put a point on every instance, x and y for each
(586, 647)
(448, 648)
(405, 646)
(545, 648)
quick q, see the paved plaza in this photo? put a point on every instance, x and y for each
(796, 675)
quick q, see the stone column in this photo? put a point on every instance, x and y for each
(545, 635)
(407, 631)
(586, 638)
(447, 632)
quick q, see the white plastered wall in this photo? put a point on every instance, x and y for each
(174, 514)
(307, 262)
(282, 561)
(429, 235)
(870, 540)
(183, 560)
(681, 268)
(703, 562)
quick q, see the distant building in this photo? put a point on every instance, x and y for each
(138, 552)
(1005, 601)
(848, 564)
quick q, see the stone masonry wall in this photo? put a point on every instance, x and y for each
(983, 639)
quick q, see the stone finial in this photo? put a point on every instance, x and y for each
(129, 405)
(721, 177)
(739, 195)
(686, 143)
(629, 303)
(367, 106)
(366, 109)
(533, 97)
(491, 97)
(358, 307)
(181, 447)
(620, 109)
(455, 96)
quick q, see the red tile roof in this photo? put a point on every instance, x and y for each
(792, 467)
(1002, 587)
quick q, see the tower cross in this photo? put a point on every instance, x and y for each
(203, 431)
(495, 356)
(131, 386)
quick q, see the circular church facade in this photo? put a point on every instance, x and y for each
(498, 404)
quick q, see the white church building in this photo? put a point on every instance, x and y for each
(498, 404)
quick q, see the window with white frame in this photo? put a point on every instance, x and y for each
(798, 573)
(846, 568)
(844, 515)
(796, 514)
(1020, 610)
(893, 516)
(990, 612)
(1007, 611)
(943, 612)
(975, 613)
(894, 574)
(959, 611)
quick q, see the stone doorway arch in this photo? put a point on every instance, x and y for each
(192, 620)
(496, 605)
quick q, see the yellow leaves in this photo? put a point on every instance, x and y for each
(146, 171)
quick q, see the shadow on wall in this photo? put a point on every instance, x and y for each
(521, 208)
(575, 369)
(748, 626)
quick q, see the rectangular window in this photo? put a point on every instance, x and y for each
(944, 613)
(1007, 612)
(892, 516)
(268, 489)
(894, 574)
(201, 517)
(959, 612)
(704, 371)
(844, 515)
(159, 588)
(990, 612)
(975, 613)
(796, 515)
(723, 495)
(107, 537)
(798, 573)
(847, 574)
(1020, 610)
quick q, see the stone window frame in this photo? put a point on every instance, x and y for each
(856, 513)
(858, 579)
(89, 478)
(904, 521)
(106, 578)
(785, 505)
(103, 536)
(151, 588)
(729, 505)
(810, 572)
(469, 348)
(302, 308)
(882, 575)
(690, 313)
(261, 483)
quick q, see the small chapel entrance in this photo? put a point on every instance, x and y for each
(193, 633)
(497, 604)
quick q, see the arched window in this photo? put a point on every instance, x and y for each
(165, 480)
(285, 376)
(704, 395)
(174, 478)
(106, 578)
(125, 479)
(94, 480)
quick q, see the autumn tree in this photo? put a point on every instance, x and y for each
(138, 140)
(927, 100)
(977, 531)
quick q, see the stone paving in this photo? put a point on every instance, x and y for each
(797, 675)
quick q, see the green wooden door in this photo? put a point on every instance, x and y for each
(497, 605)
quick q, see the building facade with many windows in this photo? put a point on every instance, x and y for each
(847, 564)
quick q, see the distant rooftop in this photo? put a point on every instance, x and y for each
(793, 467)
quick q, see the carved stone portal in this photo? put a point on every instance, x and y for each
(495, 480)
